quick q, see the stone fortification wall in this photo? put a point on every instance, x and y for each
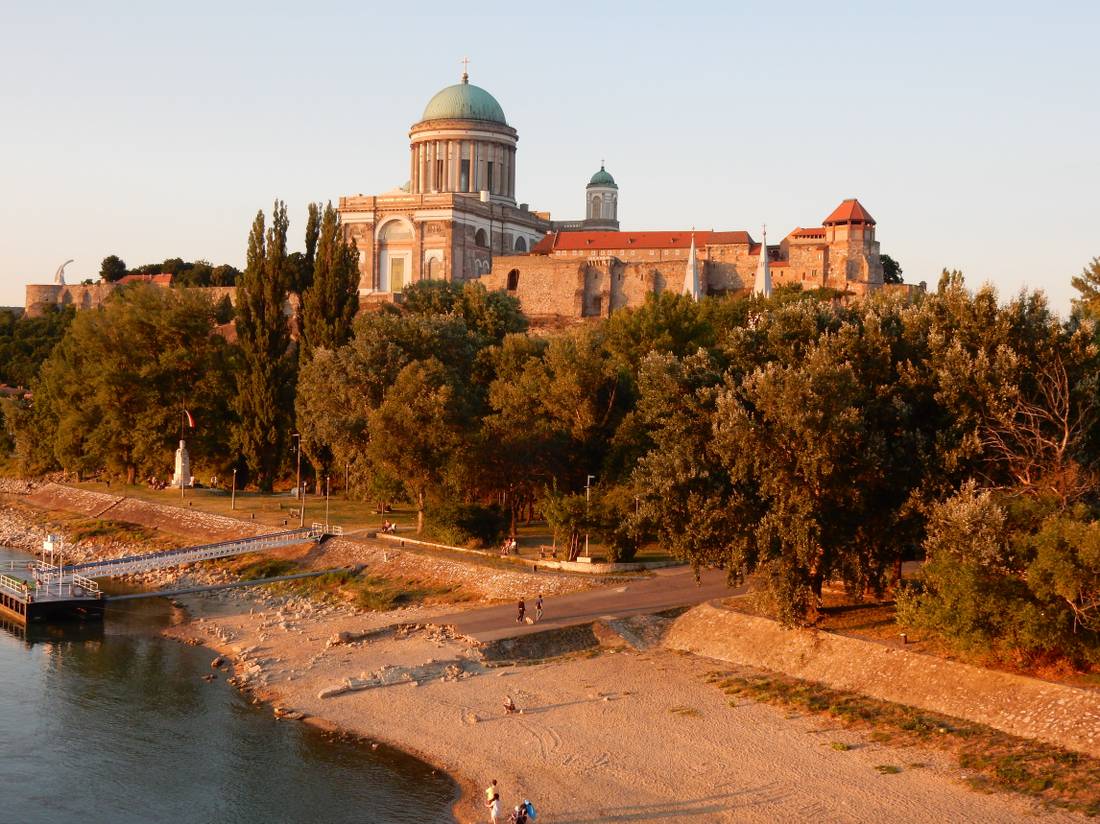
(82, 296)
(89, 296)
(1058, 714)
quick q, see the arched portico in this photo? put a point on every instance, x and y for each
(394, 240)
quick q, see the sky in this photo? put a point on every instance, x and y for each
(969, 130)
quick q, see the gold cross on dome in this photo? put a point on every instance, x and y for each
(465, 61)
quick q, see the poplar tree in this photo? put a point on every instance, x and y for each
(265, 380)
(332, 299)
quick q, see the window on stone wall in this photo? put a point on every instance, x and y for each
(521, 245)
(480, 238)
(489, 175)
(440, 183)
(513, 280)
(464, 176)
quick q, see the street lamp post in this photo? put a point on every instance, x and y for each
(587, 498)
(327, 479)
(298, 489)
(233, 493)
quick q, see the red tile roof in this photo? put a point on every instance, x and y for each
(850, 211)
(800, 232)
(598, 241)
(160, 280)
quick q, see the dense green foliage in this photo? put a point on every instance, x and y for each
(265, 379)
(466, 524)
(112, 268)
(111, 393)
(184, 273)
(793, 441)
(331, 299)
(26, 342)
(891, 269)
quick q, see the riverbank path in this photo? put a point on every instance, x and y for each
(667, 589)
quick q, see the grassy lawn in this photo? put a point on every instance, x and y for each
(343, 586)
(271, 509)
(279, 510)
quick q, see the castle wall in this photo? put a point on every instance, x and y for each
(89, 296)
(82, 296)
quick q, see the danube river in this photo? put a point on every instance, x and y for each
(114, 723)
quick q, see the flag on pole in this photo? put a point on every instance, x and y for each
(190, 420)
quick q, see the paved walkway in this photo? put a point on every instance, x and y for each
(667, 589)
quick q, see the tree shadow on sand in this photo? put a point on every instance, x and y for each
(691, 809)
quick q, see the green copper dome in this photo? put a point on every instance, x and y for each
(464, 101)
(602, 178)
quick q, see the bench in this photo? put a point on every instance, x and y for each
(547, 553)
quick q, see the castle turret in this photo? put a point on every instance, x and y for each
(853, 250)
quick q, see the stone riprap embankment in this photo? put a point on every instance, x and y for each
(178, 520)
(478, 581)
(17, 486)
(1027, 707)
(473, 581)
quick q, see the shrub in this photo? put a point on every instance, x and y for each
(467, 524)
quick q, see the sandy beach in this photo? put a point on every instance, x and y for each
(630, 734)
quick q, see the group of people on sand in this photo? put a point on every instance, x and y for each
(521, 814)
(522, 611)
(510, 546)
(389, 527)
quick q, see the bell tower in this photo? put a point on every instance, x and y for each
(601, 202)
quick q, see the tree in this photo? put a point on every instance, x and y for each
(111, 393)
(415, 430)
(25, 342)
(891, 269)
(331, 300)
(265, 380)
(491, 315)
(567, 515)
(1088, 285)
(112, 268)
(666, 322)
(1015, 579)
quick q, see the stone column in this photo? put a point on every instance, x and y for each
(432, 185)
(451, 178)
(423, 168)
(511, 172)
(473, 167)
(412, 168)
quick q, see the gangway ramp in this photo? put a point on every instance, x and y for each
(133, 564)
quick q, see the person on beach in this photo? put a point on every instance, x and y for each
(519, 815)
(509, 705)
(492, 802)
(538, 609)
(522, 610)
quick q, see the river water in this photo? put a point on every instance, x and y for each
(114, 723)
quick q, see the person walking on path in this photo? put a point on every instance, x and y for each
(538, 609)
(522, 610)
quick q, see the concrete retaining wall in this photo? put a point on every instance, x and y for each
(564, 566)
(1027, 707)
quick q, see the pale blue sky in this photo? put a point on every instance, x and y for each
(969, 130)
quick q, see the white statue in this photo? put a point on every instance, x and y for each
(59, 275)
